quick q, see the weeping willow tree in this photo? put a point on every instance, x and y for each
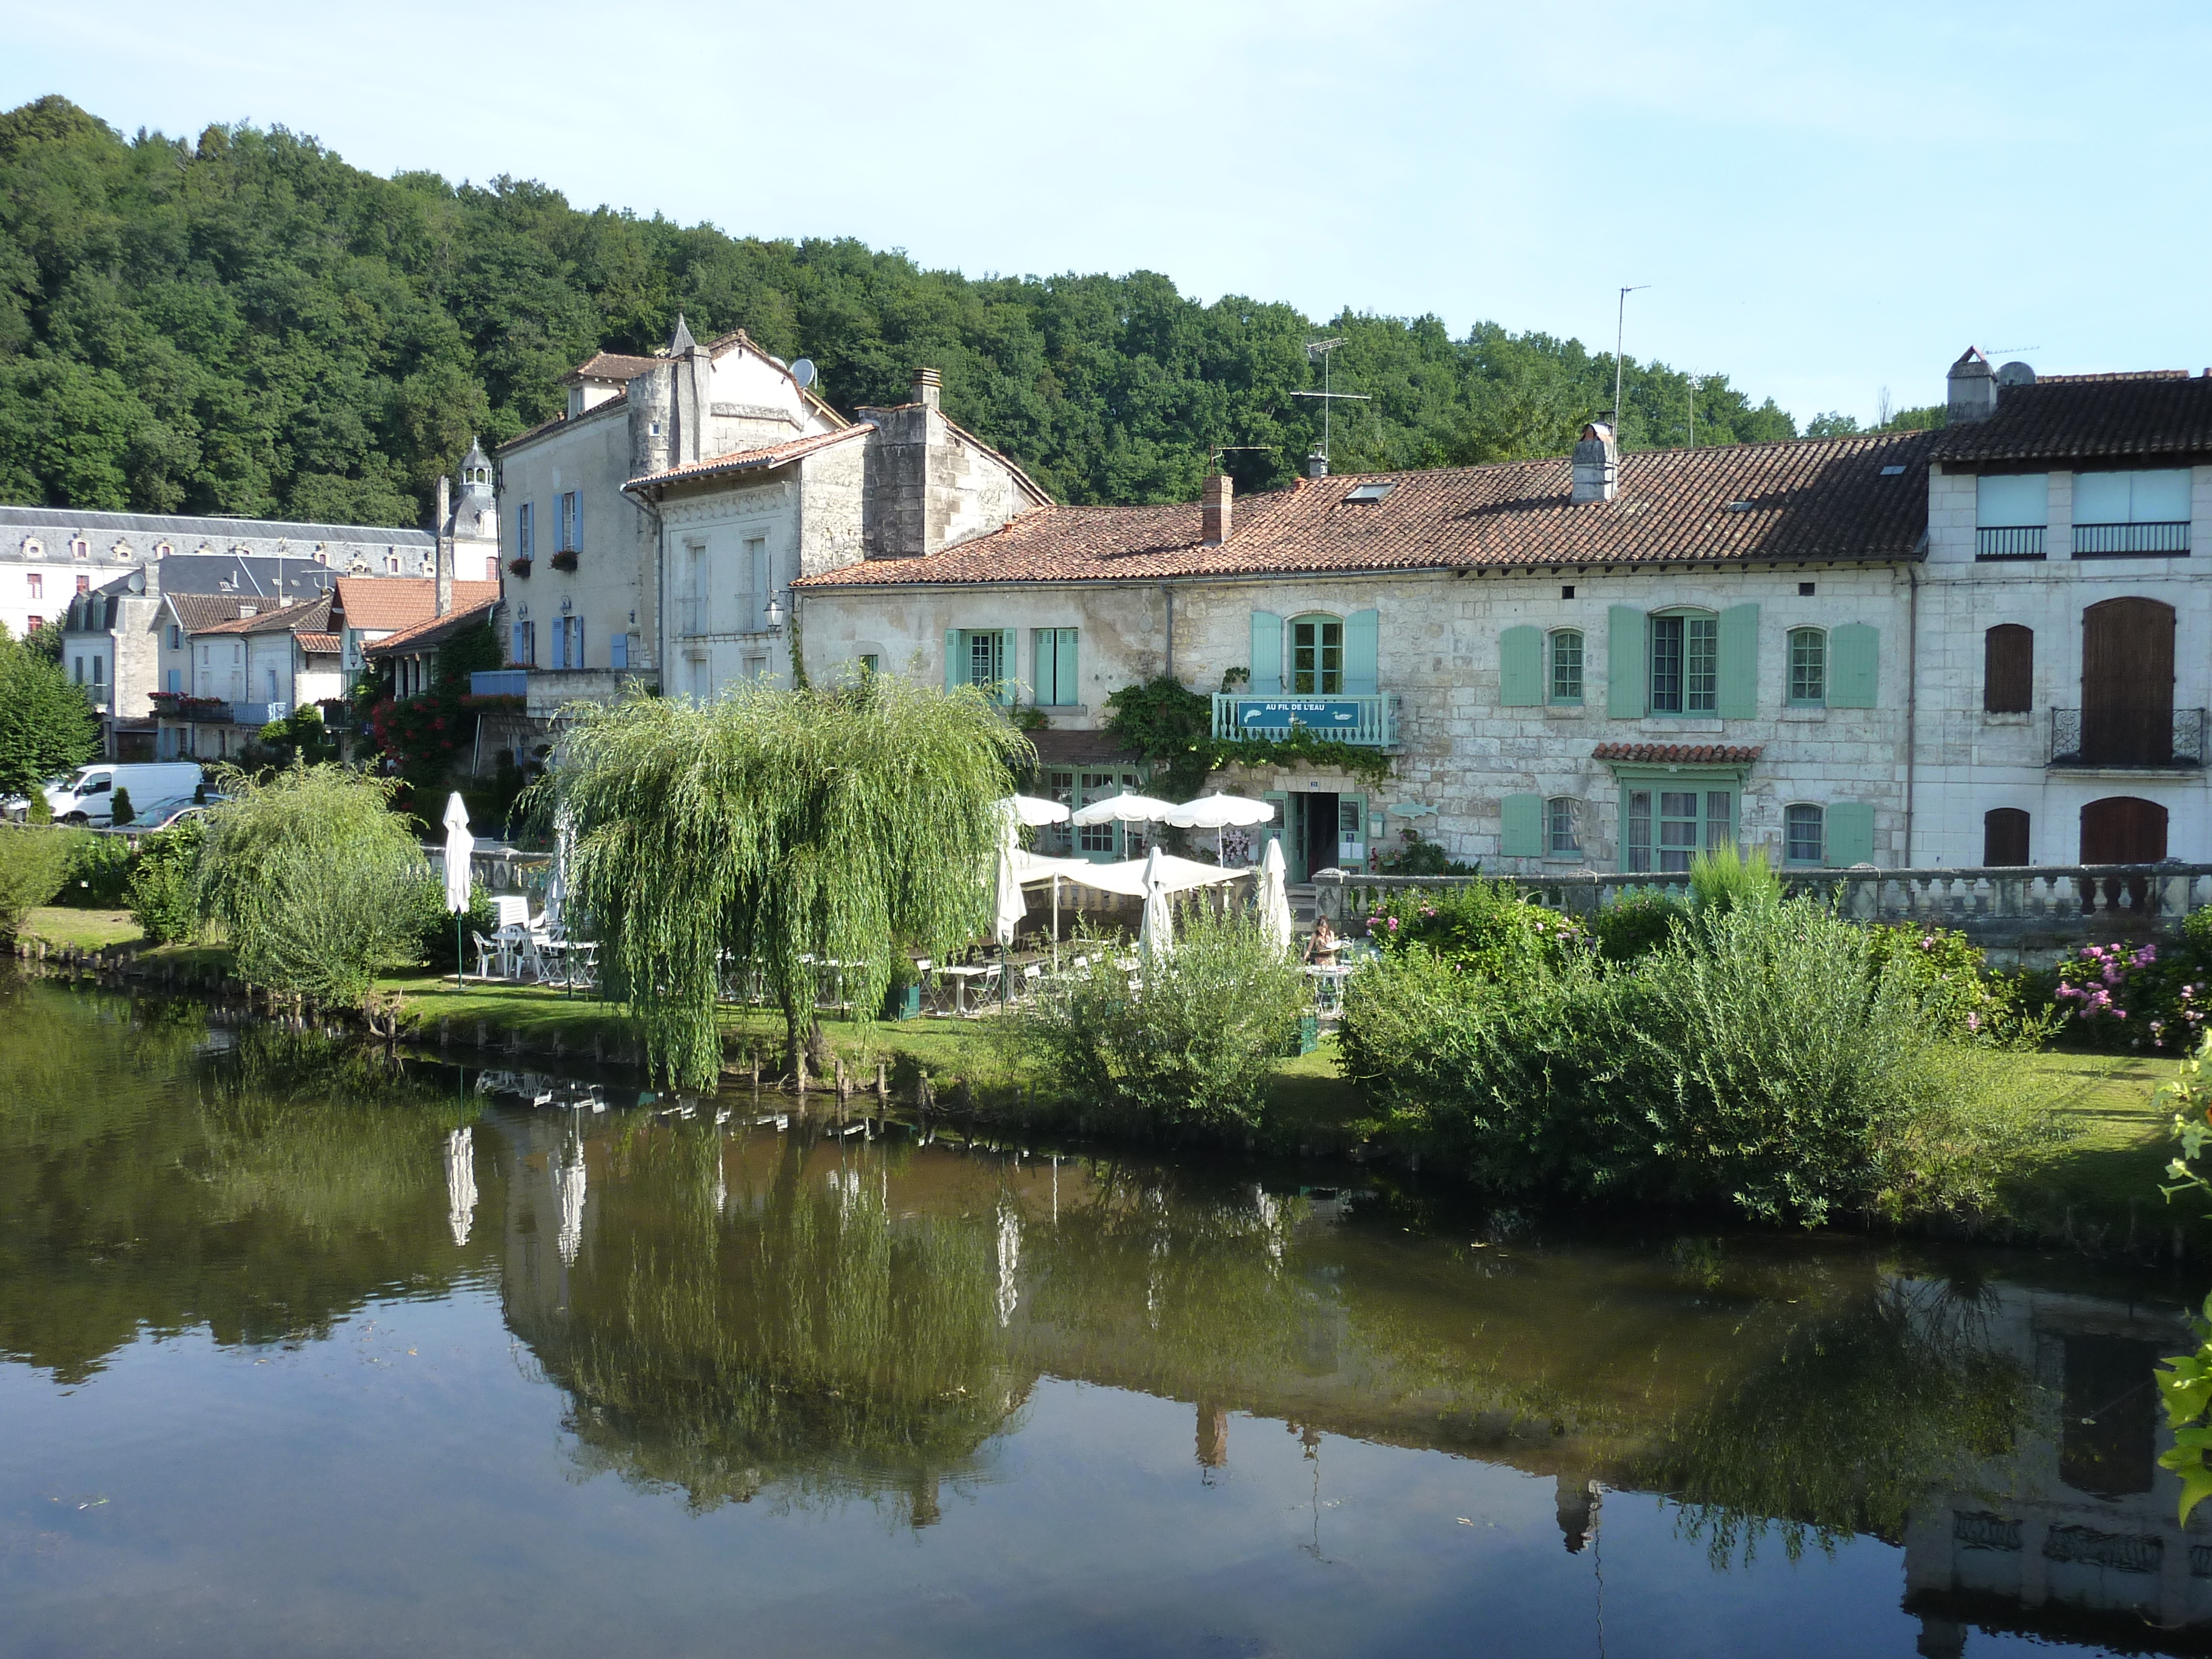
(768, 831)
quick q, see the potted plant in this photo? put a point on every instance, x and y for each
(903, 996)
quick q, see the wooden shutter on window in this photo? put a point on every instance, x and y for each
(955, 670)
(2004, 836)
(1521, 667)
(1854, 666)
(1624, 662)
(2008, 669)
(1267, 654)
(1521, 835)
(1363, 644)
(1739, 663)
(1850, 832)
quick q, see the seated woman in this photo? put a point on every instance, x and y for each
(1322, 946)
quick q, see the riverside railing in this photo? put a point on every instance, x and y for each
(497, 868)
(2028, 907)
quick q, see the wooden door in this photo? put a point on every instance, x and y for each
(2123, 830)
(2127, 684)
(2004, 837)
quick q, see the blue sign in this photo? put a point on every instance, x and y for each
(1338, 715)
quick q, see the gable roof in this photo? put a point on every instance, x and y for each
(378, 604)
(320, 645)
(746, 460)
(2069, 417)
(277, 619)
(434, 631)
(612, 365)
(197, 612)
(1812, 500)
(620, 400)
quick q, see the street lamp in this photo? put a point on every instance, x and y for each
(774, 615)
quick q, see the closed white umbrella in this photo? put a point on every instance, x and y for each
(1219, 812)
(460, 1183)
(569, 1183)
(1034, 813)
(1273, 898)
(556, 880)
(1156, 934)
(460, 845)
(1010, 906)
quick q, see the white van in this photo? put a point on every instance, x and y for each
(157, 788)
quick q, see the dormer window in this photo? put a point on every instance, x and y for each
(80, 547)
(575, 401)
(34, 547)
(163, 550)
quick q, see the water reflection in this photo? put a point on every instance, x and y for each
(741, 1307)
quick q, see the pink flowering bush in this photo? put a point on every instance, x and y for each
(1961, 997)
(2152, 997)
(1485, 926)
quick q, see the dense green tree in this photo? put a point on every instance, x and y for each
(245, 324)
(46, 725)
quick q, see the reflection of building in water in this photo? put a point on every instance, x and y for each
(2074, 1532)
(1579, 1498)
(460, 1184)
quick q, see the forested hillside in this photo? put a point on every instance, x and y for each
(244, 324)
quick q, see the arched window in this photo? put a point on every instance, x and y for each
(2004, 837)
(1565, 668)
(1685, 650)
(1808, 668)
(80, 549)
(2008, 669)
(1805, 834)
(392, 563)
(1316, 655)
(161, 550)
(1563, 826)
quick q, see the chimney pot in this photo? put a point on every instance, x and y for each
(1973, 389)
(1596, 465)
(1215, 503)
(928, 387)
(1317, 464)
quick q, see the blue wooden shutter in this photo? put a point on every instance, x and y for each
(1850, 832)
(1739, 663)
(1522, 836)
(1624, 662)
(1010, 665)
(1362, 644)
(1854, 666)
(955, 670)
(1521, 667)
(1267, 654)
(1068, 689)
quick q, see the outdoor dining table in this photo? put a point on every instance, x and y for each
(960, 978)
(1328, 986)
(568, 958)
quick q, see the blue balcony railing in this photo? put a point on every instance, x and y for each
(1371, 722)
(500, 683)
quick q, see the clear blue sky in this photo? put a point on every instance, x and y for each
(1825, 200)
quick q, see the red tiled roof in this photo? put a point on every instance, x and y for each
(612, 366)
(274, 618)
(319, 644)
(197, 612)
(1678, 754)
(1814, 500)
(435, 630)
(372, 604)
(2069, 417)
(742, 460)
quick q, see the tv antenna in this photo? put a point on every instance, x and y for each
(1215, 451)
(1323, 349)
(1619, 334)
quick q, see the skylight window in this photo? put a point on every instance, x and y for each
(1369, 492)
(1893, 472)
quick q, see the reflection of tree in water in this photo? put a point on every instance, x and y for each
(801, 1341)
(1853, 1418)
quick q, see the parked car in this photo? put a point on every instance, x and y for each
(156, 787)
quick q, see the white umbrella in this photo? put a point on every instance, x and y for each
(1219, 812)
(1033, 812)
(1272, 899)
(556, 880)
(460, 1184)
(1010, 906)
(1124, 808)
(460, 845)
(1156, 935)
(569, 1182)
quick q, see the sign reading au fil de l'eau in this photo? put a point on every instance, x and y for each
(1281, 714)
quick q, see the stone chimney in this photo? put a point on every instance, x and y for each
(929, 388)
(1596, 466)
(1317, 464)
(1973, 388)
(1216, 496)
(442, 533)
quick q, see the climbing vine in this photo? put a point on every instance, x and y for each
(1170, 725)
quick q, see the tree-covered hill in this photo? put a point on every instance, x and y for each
(246, 325)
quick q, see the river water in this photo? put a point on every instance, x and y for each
(301, 1354)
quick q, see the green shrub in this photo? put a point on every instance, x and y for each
(34, 862)
(1194, 1045)
(120, 810)
(162, 885)
(434, 922)
(1723, 878)
(1488, 927)
(1957, 993)
(99, 874)
(1637, 921)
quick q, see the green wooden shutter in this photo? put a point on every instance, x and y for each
(1267, 654)
(954, 668)
(1041, 650)
(1854, 666)
(1068, 689)
(1739, 663)
(1521, 667)
(1362, 644)
(1851, 832)
(1523, 835)
(1010, 666)
(1624, 662)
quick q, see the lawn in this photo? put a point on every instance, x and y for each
(87, 930)
(2102, 1187)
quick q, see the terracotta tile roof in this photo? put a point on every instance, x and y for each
(321, 645)
(372, 604)
(620, 400)
(274, 618)
(1815, 499)
(744, 460)
(436, 631)
(197, 612)
(1678, 754)
(2068, 417)
(612, 366)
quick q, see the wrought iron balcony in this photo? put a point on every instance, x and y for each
(2023, 541)
(1370, 722)
(2123, 738)
(2106, 541)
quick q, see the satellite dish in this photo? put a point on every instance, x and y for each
(803, 371)
(2015, 375)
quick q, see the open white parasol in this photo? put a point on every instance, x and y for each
(1032, 814)
(1219, 812)
(1127, 807)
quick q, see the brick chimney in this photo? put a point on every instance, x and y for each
(928, 387)
(1215, 499)
(1596, 465)
(1973, 387)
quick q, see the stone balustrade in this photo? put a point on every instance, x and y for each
(2021, 914)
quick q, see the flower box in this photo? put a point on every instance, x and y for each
(518, 567)
(565, 559)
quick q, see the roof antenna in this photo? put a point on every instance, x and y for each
(1318, 463)
(1619, 334)
(1215, 451)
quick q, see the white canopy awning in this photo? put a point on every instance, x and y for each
(1128, 877)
